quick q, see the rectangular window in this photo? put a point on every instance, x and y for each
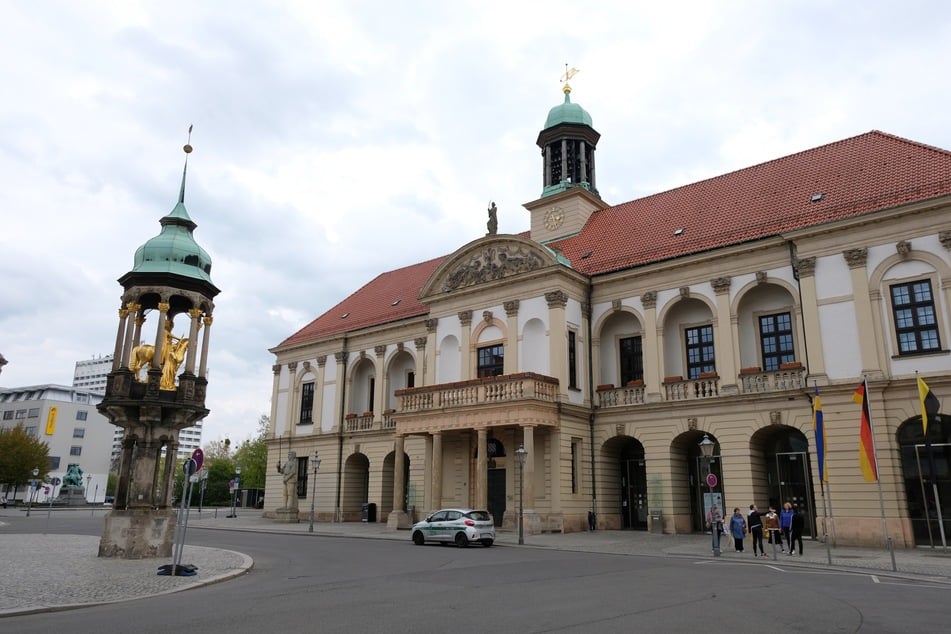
(30, 430)
(75, 450)
(79, 432)
(81, 415)
(307, 404)
(699, 344)
(410, 379)
(776, 342)
(632, 360)
(491, 360)
(915, 322)
(8, 415)
(33, 413)
(572, 359)
(302, 477)
(371, 390)
(53, 462)
(21, 414)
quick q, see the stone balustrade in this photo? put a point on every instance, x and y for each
(495, 389)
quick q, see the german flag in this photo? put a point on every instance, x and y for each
(866, 442)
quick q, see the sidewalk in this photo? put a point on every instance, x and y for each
(40, 571)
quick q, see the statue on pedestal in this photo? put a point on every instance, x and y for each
(289, 473)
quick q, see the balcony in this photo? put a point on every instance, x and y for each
(609, 396)
(506, 388)
(676, 389)
(788, 377)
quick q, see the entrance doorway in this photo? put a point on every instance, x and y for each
(496, 494)
(792, 482)
(633, 487)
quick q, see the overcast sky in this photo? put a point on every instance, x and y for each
(337, 140)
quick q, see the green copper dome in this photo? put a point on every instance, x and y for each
(174, 250)
(568, 113)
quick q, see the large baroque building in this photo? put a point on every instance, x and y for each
(610, 340)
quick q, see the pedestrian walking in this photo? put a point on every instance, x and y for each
(798, 523)
(755, 520)
(771, 522)
(737, 529)
(785, 524)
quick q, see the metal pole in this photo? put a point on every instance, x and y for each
(521, 499)
(713, 516)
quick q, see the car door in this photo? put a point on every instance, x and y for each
(433, 529)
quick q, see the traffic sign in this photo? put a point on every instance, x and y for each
(189, 467)
(199, 457)
(55, 482)
(711, 480)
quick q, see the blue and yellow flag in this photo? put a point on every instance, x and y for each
(820, 430)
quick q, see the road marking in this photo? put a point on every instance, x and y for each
(874, 579)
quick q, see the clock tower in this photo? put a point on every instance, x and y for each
(569, 192)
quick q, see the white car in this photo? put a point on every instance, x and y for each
(458, 526)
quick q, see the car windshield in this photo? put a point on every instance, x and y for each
(479, 516)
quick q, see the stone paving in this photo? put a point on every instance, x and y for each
(40, 571)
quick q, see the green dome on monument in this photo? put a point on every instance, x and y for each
(568, 113)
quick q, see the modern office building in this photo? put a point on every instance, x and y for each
(581, 367)
(67, 420)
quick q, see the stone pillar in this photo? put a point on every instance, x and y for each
(482, 468)
(139, 318)
(510, 361)
(584, 161)
(293, 400)
(204, 346)
(558, 340)
(808, 325)
(723, 341)
(531, 518)
(554, 439)
(428, 374)
(868, 339)
(465, 336)
(129, 342)
(275, 386)
(341, 359)
(120, 341)
(436, 503)
(318, 414)
(650, 344)
(398, 517)
(379, 386)
(194, 325)
(160, 336)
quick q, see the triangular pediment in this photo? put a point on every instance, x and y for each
(487, 260)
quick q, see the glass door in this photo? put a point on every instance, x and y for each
(793, 485)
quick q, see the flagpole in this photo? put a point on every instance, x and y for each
(878, 478)
(818, 428)
(825, 519)
(931, 469)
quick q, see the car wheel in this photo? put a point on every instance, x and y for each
(486, 542)
(418, 538)
(461, 540)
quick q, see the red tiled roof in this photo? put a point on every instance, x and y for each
(373, 304)
(855, 176)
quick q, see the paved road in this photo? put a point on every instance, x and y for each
(340, 583)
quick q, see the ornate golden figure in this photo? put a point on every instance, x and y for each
(173, 353)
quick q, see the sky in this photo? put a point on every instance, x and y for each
(334, 141)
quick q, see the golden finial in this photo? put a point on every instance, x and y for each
(569, 73)
(188, 147)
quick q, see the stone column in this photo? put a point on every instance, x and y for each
(398, 517)
(868, 339)
(482, 468)
(120, 341)
(510, 361)
(139, 322)
(318, 414)
(379, 386)
(808, 325)
(428, 374)
(465, 336)
(129, 341)
(206, 338)
(275, 386)
(554, 439)
(293, 400)
(194, 325)
(724, 344)
(584, 161)
(558, 340)
(160, 336)
(437, 471)
(650, 344)
(341, 358)
(531, 518)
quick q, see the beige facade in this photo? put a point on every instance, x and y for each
(610, 379)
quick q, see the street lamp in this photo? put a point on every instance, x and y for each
(237, 485)
(313, 492)
(29, 499)
(520, 453)
(706, 449)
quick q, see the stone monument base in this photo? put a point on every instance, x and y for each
(70, 496)
(138, 534)
(287, 516)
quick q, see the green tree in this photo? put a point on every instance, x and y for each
(251, 456)
(20, 453)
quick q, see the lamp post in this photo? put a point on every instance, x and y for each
(86, 492)
(706, 449)
(313, 492)
(520, 453)
(29, 499)
(237, 485)
(203, 477)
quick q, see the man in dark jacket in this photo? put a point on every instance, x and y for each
(755, 522)
(798, 523)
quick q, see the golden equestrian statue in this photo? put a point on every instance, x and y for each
(173, 353)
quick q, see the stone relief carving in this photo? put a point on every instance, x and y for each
(856, 257)
(945, 238)
(465, 317)
(761, 277)
(685, 291)
(379, 350)
(492, 263)
(721, 285)
(806, 267)
(487, 316)
(649, 299)
(903, 248)
(511, 308)
(431, 324)
(615, 305)
(556, 299)
(321, 361)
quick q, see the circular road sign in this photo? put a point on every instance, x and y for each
(199, 457)
(711, 480)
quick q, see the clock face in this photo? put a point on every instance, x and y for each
(554, 217)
